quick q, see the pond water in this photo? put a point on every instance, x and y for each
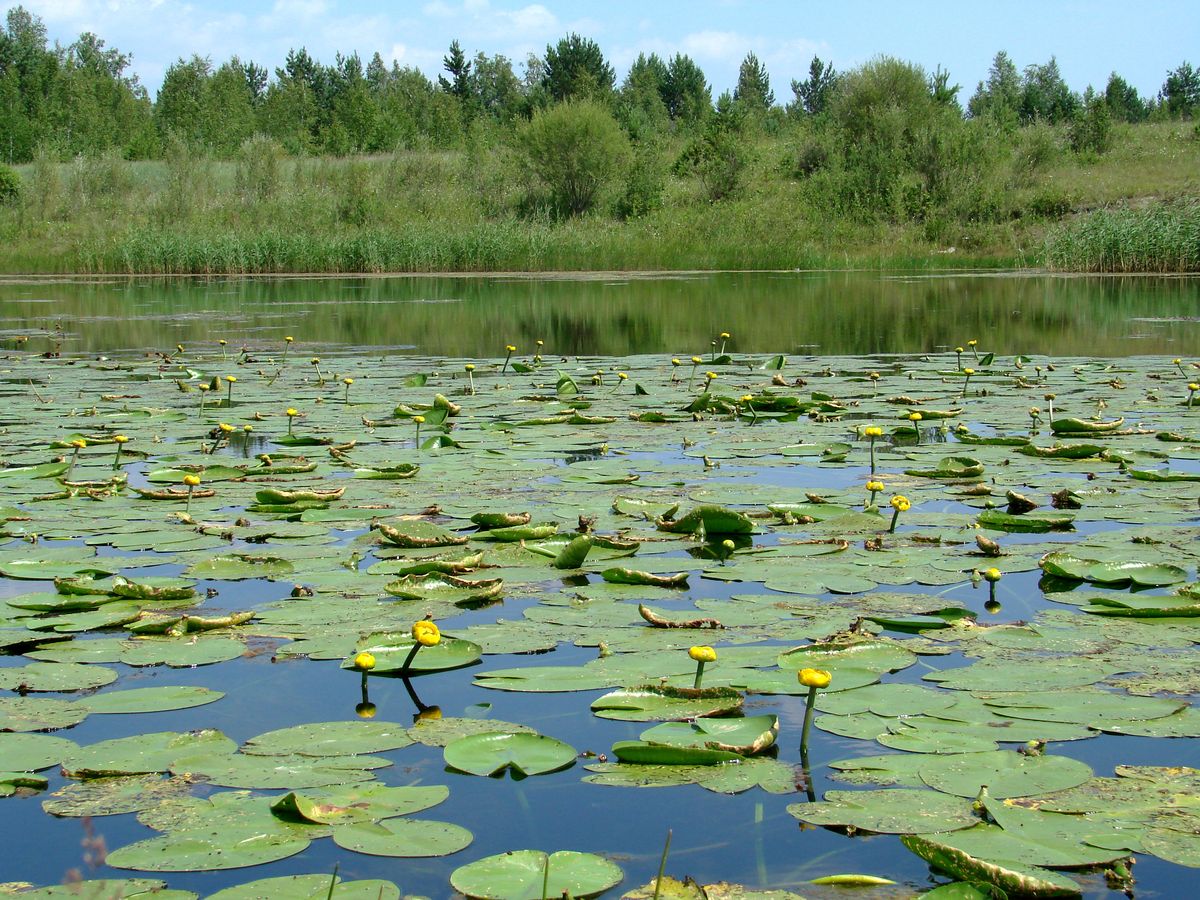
(852, 322)
(794, 313)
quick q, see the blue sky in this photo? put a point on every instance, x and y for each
(1141, 41)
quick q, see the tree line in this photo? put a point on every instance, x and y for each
(82, 98)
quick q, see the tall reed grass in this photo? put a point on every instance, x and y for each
(1161, 237)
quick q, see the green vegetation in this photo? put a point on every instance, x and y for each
(347, 167)
(1158, 238)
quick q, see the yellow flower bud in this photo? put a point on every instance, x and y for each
(79, 443)
(675, 361)
(426, 633)
(511, 348)
(1194, 387)
(814, 678)
(915, 417)
(231, 378)
(289, 338)
(724, 335)
(703, 654)
(470, 367)
(420, 420)
(968, 372)
(873, 431)
(364, 661)
(225, 427)
(696, 360)
(292, 412)
(972, 342)
(347, 381)
(900, 503)
(729, 545)
(622, 375)
(875, 486)
(191, 480)
(992, 574)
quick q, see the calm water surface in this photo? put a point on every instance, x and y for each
(747, 838)
(794, 313)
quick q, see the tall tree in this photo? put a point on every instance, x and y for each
(576, 67)
(754, 85)
(458, 67)
(686, 93)
(812, 95)
(1045, 95)
(1123, 101)
(1000, 96)
(1180, 94)
(640, 105)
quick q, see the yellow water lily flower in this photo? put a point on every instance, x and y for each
(426, 633)
(191, 480)
(814, 678)
(364, 661)
(900, 503)
(703, 654)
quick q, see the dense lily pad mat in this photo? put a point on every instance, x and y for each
(1013, 590)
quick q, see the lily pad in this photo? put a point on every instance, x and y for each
(491, 753)
(888, 811)
(522, 875)
(403, 838)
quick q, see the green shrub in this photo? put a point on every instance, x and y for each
(257, 172)
(1090, 131)
(574, 151)
(1037, 148)
(645, 184)
(1050, 203)
(10, 184)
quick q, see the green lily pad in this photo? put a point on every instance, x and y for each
(490, 753)
(660, 702)
(522, 875)
(744, 736)
(114, 796)
(321, 739)
(30, 752)
(888, 811)
(144, 700)
(38, 714)
(42, 676)
(1011, 877)
(391, 650)
(309, 887)
(1005, 773)
(403, 838)
(142, 754)
(188, 852)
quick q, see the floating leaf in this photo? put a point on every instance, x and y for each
(890, 811)
(403, 838)
(522, 875)
(490, 753)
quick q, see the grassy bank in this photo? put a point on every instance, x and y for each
(470, 210)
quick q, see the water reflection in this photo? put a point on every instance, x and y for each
(794, 313)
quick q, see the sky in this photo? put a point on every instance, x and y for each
(1140, 41)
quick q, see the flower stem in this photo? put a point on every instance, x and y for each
(662, 865)
(895, 519)
(699, 675)
(809, 708)
(411, 655)
(871, 447)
